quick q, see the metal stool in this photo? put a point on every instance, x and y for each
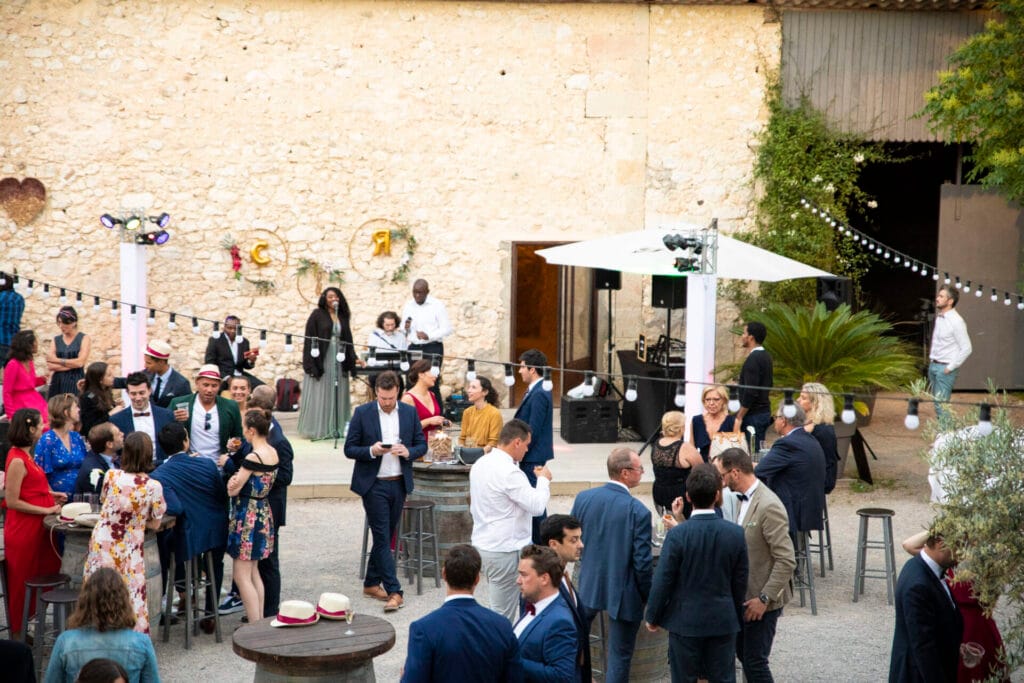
(413, 540)
(364, 558)
(194, 585)
(864, 543)
(35, 587)
(824, 540)
(4, 595)
(63, 601)
(803, 578)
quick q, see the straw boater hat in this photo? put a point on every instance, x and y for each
(209, 371)
(333, 605)
(71, 511)
(295, 613)
(158, 349)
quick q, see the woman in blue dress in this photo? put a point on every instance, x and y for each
(69, 354)
(60, 451)
(251, 524)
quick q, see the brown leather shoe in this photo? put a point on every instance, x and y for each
(395, 602)
(375, 592)
(207, 625)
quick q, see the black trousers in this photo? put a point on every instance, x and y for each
(754, 645)
(270, 573)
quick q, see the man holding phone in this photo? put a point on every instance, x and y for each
(384, 437)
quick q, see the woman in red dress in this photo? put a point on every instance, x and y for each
(420, 397)
(20, 380)
(28, 499)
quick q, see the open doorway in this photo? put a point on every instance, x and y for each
(552, 310)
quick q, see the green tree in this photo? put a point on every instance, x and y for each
(981, 100)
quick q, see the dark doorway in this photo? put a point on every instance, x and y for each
(553, 310)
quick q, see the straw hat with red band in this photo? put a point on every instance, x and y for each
(333, 606)
(209, 371)
(158, 349)
(295, 613)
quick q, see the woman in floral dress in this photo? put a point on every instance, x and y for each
(132, 502)
(251, 525)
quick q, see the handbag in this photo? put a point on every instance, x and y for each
(723, 441)
(468, 456)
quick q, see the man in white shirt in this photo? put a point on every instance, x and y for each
(142, 414)
(425, 321)
(950, 347)
(503, 505)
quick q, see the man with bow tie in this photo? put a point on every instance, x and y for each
(142, 415)
(536, 410)
(770, 550)
(546, 631)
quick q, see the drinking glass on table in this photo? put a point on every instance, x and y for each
(349, 616)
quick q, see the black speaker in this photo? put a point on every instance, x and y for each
(607, 279)
(668, 292)
(589, 420)
(835, 291)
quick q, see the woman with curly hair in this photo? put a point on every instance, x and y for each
(132, 503)
(102, 626)
(21, 384)
(328, 359)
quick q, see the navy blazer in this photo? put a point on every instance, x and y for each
(176, 387)
(198, 486)
(536, 410)
(584, 667)
(218, 352)
(364, 431)
(547, 645)
(926, 639)
(616, 567)
(795, 470)
(89, 463)
(462, 641)
(278, 496)
(125, 421)
(701, 581)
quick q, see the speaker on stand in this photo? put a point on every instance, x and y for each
(835, 291)
(609, 280)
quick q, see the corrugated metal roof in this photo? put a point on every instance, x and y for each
(868, 70)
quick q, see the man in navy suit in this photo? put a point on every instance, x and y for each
(615, 573)
(795, 470)
(536, 410)
(546, 631)
(564, 535)
(230, 352)
(142, 415)
(700, 586)
(105, 440)
(462, 641)
(168, 383)
(384, 437)
(926, 641)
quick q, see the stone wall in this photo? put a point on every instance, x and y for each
(310, 125)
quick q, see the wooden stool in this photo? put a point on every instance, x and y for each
(864, 543)
(413, 539)
(803, 578)
(194, 585)
(824, 540)
(63, 601)
(35, 587)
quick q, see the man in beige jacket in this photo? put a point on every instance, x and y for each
(770, 551)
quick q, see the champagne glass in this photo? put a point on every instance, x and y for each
(349, 615)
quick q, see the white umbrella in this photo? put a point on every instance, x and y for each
(644, 252)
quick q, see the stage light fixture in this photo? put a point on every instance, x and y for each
(133, 223)
(685, 264)
(162, 220)
(674, 242)
(108, 221)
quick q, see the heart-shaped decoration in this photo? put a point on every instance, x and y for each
(22, 200)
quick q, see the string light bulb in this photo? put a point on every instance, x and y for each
(1006, 299)
(680, 399)
(95, 303)
(195, 325)
(945, 279)
(958, 285)
(631, 389)
(995, 296)
(151, 319)
(63, 295)
(734, 398)
(403, 361)
(133, 312)
(912, 421)
(29, 290)
(509, 377)
(848, 416)
(314, 352)
(435, 366)
(113, 309)
(547, 384)
(216, 330)
(470, 370)
(978, 291)
(172, 323)
(897, 260)
(46, 290)
(263, 339)
(1020, 303)
(984, 419)
(78, 298)
(967, 287)
(788, 407)
(588, 383)
(288, 345)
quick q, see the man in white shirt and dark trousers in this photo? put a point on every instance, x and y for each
(950, 347)
(425, 321)
(503, 505)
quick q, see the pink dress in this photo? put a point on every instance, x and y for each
(20, 390)
(129, 501)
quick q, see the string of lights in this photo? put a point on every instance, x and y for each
(591, 378)
(915, 265)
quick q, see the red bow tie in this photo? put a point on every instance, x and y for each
(141, 414)
(530, 608)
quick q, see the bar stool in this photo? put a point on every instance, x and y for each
(803, 578)
(413, 540)
(886, 545)
(824, 540)
(194, 585)
(364, 557)
(3, 594)
(63, 601)
(35, 587)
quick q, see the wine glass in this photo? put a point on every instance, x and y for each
(349, 615)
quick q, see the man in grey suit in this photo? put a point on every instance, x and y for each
(615, 571)
(770, 550)
(697, 594)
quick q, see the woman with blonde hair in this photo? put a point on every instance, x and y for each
(61, 450)
(673, 458)
(816, 400)
(101, 626)
(714, 419)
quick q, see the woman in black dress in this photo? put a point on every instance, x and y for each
(327, 357)
(672, 458)
(816, 401)
(714, 419)
(69, 354)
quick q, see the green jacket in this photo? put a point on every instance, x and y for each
(227, 413)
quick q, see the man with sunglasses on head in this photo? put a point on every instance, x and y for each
(213, 423)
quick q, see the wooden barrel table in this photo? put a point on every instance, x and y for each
(447, 487)
(76, 549)
(318, 652)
